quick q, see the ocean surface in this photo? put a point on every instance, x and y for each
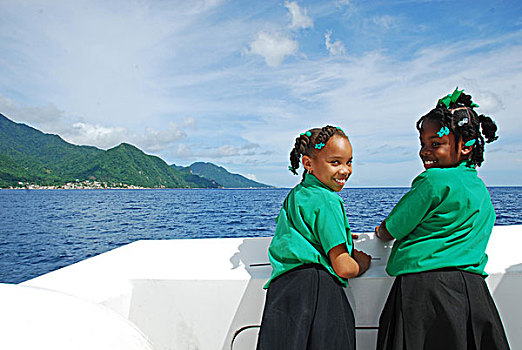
(43, 230)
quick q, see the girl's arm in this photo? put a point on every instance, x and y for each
(344, 265)
(382, 232)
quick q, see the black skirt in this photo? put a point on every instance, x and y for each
(306, 308)
(440, 309)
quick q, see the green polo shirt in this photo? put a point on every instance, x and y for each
(445, 220)
(311, 222)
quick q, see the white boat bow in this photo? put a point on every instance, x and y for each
(207, 293)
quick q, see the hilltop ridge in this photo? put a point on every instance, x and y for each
(29, 156)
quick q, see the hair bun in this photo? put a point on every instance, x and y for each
(489, 128)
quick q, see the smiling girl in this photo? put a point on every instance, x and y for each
(312, 253)
(441, 227)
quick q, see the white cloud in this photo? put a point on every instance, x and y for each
(47, 118)
(233, 151)
(198, 6)
(489, 102)
(183, 151)
(190, 121)
(385, 21)
(51, 120)
(198, 151)
(300, 20)
(225, 151)
(94, 134)
(251, 177)
(273, 47)
(335, 48)
(6, 105)
(157, 140)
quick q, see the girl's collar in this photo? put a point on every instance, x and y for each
(311, 180)
(465, 164)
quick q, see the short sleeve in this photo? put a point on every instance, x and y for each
(330, 224)
(412, 208)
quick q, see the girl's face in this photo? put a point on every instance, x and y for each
(440, 152)
(332, 165)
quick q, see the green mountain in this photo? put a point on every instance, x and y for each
(128, 164)
(29, 155)
(222, 176)
(196, 179)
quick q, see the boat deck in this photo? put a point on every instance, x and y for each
(207, 293)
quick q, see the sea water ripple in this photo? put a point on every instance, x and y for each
(43, 230)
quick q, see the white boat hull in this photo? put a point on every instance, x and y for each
(207, 293)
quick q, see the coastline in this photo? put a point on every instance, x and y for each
(96, 185)
(77, 185)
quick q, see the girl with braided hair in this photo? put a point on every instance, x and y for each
(312, 253)
(441, 227)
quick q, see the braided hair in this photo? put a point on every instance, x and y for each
(461, 119)
(310, 142)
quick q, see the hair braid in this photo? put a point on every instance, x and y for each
(307, 145)
(465, 124)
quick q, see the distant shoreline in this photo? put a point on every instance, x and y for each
(141, 188)
(88, 185)
(132, 187)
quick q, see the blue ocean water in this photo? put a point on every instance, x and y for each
(43, 230)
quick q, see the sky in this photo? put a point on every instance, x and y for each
(235, 82)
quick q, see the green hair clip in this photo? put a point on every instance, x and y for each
(338, 128)
(319, 145)
(449, 99)
(443, 131)
(470, 143)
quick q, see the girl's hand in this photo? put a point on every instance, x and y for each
(363, 259)
(381, 232)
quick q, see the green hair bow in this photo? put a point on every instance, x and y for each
(448, 99)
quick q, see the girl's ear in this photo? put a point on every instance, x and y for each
(307, 163)
(465, 150)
